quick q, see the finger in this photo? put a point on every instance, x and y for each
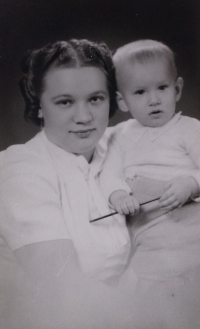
(169, 201)
(167, 195)
(167, 185)
(172, 206)
(129, 207)
(134, 206)
(165, 200)
(125, 208)
(119, 209)
(136, 203)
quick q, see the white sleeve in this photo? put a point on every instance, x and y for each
(30, 206)
(192, 145)
(112, 176)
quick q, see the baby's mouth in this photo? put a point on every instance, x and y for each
(156, 112)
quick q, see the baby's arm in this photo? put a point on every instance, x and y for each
(181, 189)
(124, 203)
(178, 191)
(112, 178)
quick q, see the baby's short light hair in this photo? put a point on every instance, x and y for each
(141, 51)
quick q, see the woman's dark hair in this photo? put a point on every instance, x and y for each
(72, 53)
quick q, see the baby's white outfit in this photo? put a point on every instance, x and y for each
(166, 245)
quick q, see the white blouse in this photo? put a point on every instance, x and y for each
(49, 194)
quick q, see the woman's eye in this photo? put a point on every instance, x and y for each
(163, 87)
(96, 99)
(139, 92)
(64, 102)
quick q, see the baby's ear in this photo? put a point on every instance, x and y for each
(121, 103)
(178, 88)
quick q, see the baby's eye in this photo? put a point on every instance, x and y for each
(96, 99)
(163, 87)
(139, 92)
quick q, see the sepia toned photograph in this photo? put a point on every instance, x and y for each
(100, 164)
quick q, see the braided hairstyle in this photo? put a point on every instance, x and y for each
(68, 54)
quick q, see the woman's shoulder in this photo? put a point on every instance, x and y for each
(125, 126)
(31, 157)
(28, 152)
(122, 130)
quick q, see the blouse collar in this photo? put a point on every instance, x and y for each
(94, 167)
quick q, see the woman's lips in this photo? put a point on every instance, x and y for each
(83, 133)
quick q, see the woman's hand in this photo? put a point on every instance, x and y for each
(124, 203)
(178, 191)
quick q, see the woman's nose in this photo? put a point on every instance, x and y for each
(82, 114)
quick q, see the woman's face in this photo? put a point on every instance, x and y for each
(75, 108)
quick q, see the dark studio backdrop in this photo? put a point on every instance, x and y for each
(29, 24)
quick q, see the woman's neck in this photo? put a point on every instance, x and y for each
(88, 156)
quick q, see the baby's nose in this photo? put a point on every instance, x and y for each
(154, 98)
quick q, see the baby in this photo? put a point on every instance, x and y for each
(156, 154)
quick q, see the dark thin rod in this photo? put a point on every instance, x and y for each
(114, 213)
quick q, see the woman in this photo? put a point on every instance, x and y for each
(58, 269)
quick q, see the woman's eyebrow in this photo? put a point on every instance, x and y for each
(99, 92)
(61, 95)
(139, 87)
(91, 94)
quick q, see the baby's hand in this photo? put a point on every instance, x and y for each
(178, 191)
(124, 203)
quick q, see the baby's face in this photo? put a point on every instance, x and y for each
(150, 92)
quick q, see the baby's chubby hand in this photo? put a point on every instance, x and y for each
(178, 191)
(124, 203)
